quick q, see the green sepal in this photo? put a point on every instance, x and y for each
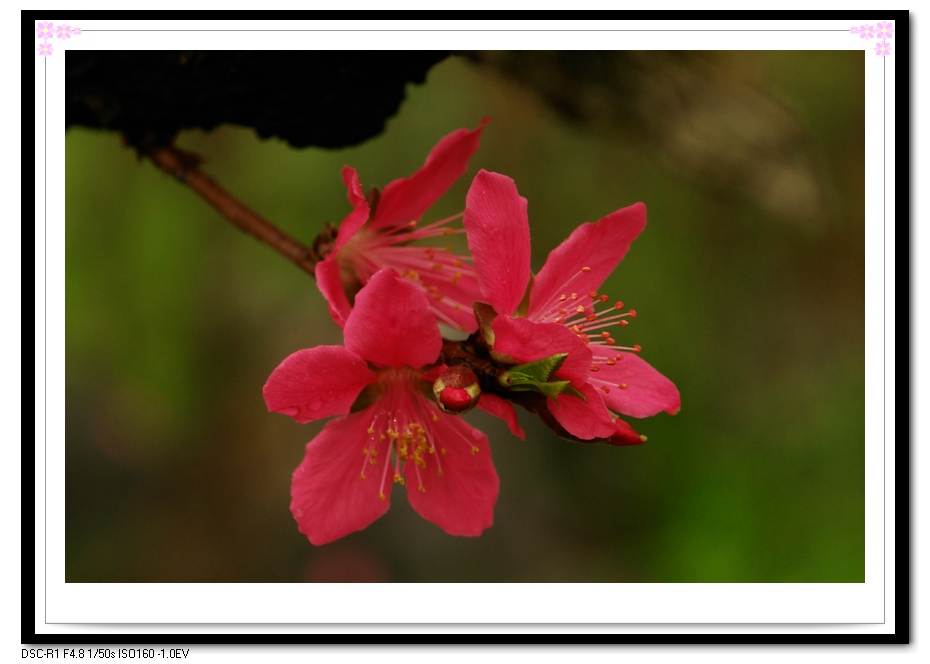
(537, 370)
(534, 377)
(551, 390)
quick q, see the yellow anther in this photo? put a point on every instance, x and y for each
(371, 431)
(474, 450)
(381, 496)
(422, 488)
(623, 386)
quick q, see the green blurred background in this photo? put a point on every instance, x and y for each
(748, 282)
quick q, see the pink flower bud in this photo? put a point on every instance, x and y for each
(457, 390)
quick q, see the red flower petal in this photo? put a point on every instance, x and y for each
(502, 409)
(329, 281)
(461, 500)
(499, 239)
(406, 199)
(600, 246)
(525, 341)
(625, 435)
(359, 215)
(317, 382)
(392, 325)
(329, 499)
(448, 299)
(647, 391)
(585, 419)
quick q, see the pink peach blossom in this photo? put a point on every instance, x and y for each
(885, 30)
(379, 230)
(563, 312)
(387, 431)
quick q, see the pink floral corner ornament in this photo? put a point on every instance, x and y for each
(45, 31)
(883, 48)
(884, 30)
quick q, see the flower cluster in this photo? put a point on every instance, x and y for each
(397, 389)
(881, 31)
(45, 31)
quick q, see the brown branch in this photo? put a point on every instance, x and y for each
(184, 167)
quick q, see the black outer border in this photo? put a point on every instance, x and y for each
(121, 634)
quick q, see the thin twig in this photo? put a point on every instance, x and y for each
(183, 166)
